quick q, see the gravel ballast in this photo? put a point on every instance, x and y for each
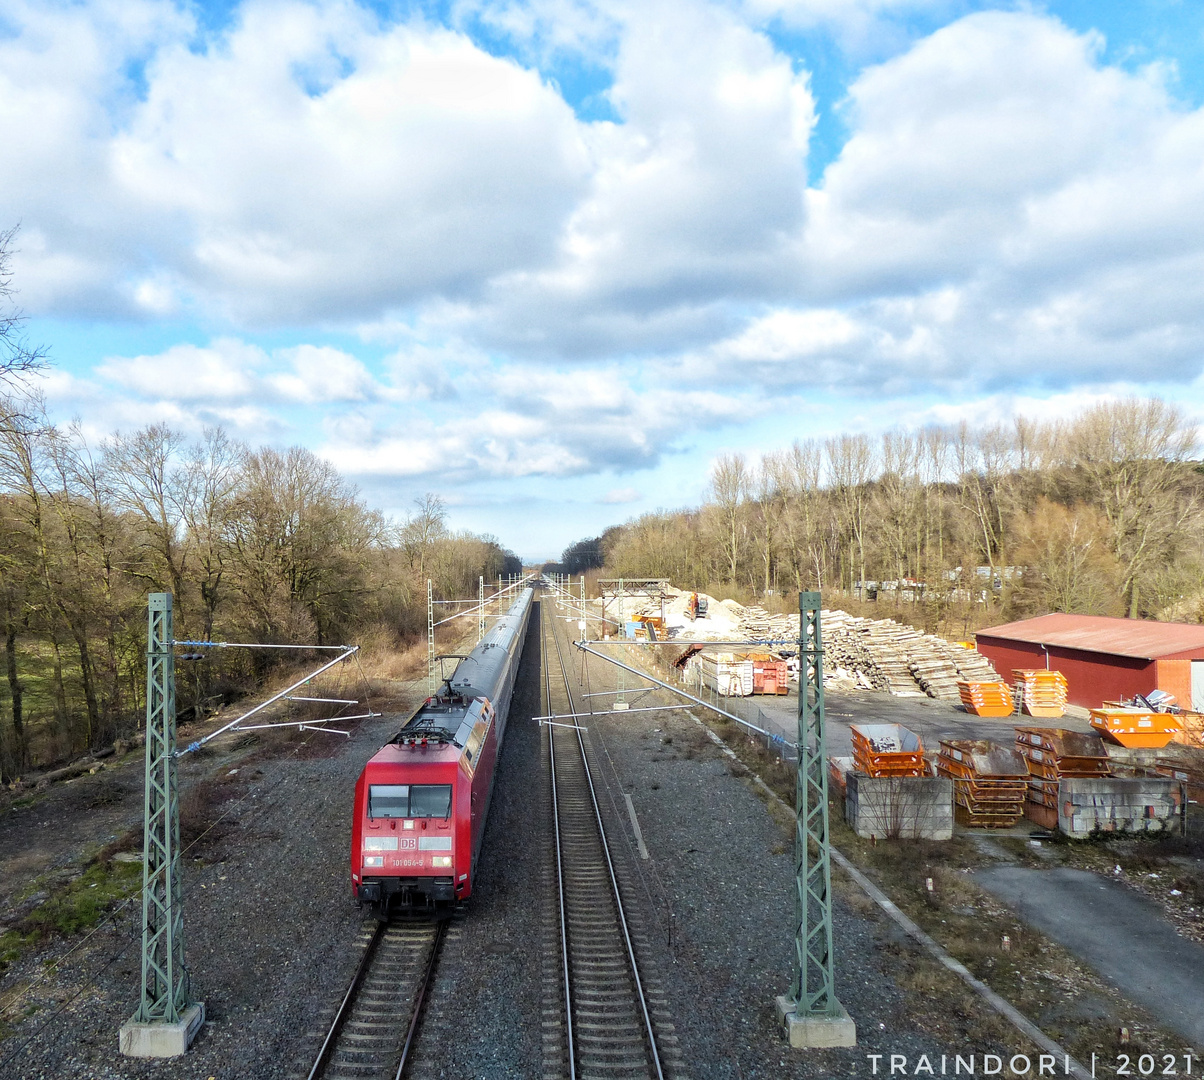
(272, 932)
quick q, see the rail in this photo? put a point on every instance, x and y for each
(570, 772)
(398, 963)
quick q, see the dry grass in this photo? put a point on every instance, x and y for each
(392, 669)
(1067, 1000)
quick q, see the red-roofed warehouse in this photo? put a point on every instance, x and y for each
(1104, 659)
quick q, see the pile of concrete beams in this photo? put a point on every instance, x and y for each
(900, 659)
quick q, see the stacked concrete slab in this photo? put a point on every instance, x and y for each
(1116, 804)
(899, 807)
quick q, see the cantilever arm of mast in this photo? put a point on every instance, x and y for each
(584, 646)
(346, 652)
(478, 607)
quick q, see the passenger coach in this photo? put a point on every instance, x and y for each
(423, 798)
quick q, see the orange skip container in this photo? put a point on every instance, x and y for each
(1136, 727)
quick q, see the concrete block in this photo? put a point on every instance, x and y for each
(1117, 804)
(158, 1040)
(899, 807)
(816, 1032)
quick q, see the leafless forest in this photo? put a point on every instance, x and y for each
(951, 528)
(255, 545)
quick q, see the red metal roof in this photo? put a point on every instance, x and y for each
(1139, 638)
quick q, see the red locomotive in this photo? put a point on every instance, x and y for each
(422, 800)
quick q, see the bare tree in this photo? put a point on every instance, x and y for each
(934, 470)
(797, 474)
(17, 356)
(766, 494)
(851, 469)
(207, 482)
(1132, 454)
(141, 469)
(423, 529)
(1068, 566)
(24, 433)
(730, 484)
(899, 496)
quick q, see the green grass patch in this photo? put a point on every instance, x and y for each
(80, 904)
(12, 944)
(71, 908)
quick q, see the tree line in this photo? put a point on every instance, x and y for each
(260, 545)
(1098, 514)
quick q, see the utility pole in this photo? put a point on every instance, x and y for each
(621, 688)
(166, 1020)
(480, 609)
(810, 1012)
(430, 640)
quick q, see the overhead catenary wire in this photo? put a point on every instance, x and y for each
(233, 725)
(477, 606)
(250, 645)
(585, 648)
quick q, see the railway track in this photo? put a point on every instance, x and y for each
(374, 1029)
(609, 1026)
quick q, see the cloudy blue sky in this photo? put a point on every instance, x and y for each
(549, 258)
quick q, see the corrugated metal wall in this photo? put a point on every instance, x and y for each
(1091, 678)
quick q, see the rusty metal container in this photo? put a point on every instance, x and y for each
(1053, 753)
(990, 781)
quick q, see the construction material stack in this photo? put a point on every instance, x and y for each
(887, 750)
(990, 781)
(899, 659)
(986, 698)
(1052, 754)
(1041, 693)
(936, 676)
(755, 622)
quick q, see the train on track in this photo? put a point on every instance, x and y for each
(423, 798)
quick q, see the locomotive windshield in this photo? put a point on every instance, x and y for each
(409, 800)
(430, 800)
(388, 800)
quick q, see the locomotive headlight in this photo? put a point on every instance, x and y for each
(380, 843)
(374, 860)
(441, 860)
